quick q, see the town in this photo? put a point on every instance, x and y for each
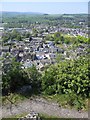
(37, 47)
(44, 63)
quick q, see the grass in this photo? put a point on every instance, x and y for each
(47, 117)
(19, 115)
(63, 100)
(67, 102)
(9, 119)
(15, 117)
(14, 98)
(42, 116)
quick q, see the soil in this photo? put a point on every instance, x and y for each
(41, 105)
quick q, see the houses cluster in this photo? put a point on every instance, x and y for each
(75, 31)
(46, 29)
(38, 52)
(35, 52)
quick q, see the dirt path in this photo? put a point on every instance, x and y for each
(40, 105)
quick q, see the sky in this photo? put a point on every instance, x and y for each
(45, 7)
(44, 0)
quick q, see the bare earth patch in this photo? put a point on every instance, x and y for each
(40, 105)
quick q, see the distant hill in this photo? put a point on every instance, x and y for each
(15, 19)
(6, 13)
(14, 14)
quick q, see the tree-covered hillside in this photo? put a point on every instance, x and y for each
(15, 19)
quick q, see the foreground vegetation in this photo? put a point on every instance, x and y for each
(68, 79)
(44, 117)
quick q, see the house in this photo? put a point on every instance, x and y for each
(19, 56)
(40, 55)
(53, 49)
(26, 49)
(38, 64)
(5, 49)
(1, 28)
(46, 50)
(50, 43)
(45, 62)
(27, 63)
(52, 55)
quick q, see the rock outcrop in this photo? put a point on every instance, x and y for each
(31, 116)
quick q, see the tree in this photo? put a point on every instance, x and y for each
(62, 39)
(49, 80)
(28, 35)
(16, 35)
(13, 78)
(49, 38)
(35, 32)
(34, 77)
(5, 37)
(82, 39)
(57, 36)
(19, 38)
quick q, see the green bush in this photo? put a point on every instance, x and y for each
(70, 78)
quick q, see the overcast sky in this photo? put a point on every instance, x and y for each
(45, 7)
